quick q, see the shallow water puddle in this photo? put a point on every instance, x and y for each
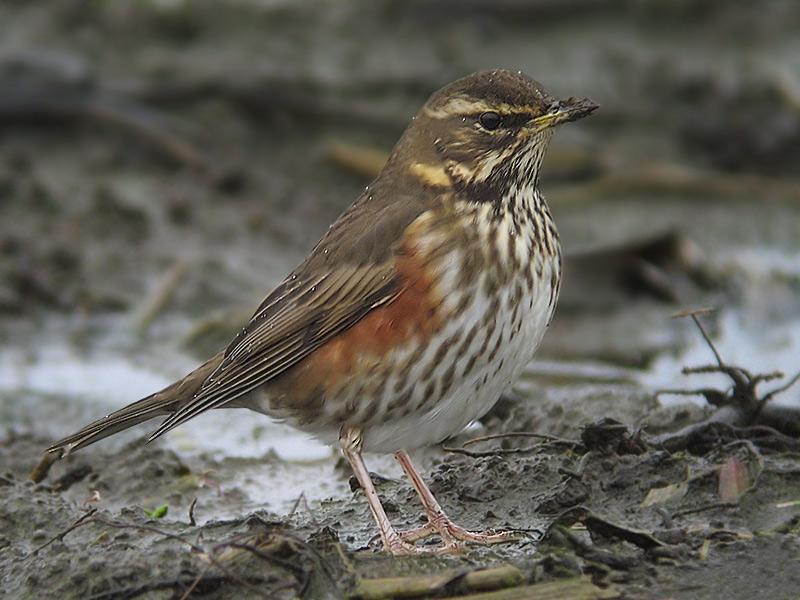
(754, 344)
(763, 335)
(57, 381)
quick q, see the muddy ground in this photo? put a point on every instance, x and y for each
(163, 164)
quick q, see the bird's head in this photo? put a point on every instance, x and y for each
(489, 128)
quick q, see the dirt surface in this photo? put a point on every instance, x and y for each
(586, 509)
(163, 164)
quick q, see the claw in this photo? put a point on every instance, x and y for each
(400, 547)
(454, 538)
(481, 537)
(438, 521)
(418, 533)
(450, 532)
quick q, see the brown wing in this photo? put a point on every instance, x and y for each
(348, 274)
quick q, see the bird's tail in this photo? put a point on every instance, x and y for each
(163, 402)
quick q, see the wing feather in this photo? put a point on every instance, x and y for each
(283, 332)
(350, 272)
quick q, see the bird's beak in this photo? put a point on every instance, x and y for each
(564, 111)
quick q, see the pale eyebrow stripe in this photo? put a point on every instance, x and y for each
(462, 106)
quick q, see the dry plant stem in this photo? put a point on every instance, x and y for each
(294, 569)
(196, 582)
(703, 508)
(547, 440)
(80, 521)
(198, 549)
(42, 468)
(493, 578)
(739, 406)
(496, 452)
(303, 575)
(161, 296)
(718, 426)
(526, 434)
(779, 390)
(192, 506)
(90, 517)
(176, 585)
(302, 499)
(706, 337)
(138, 120)
(578, 588)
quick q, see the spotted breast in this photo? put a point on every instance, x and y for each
(481, 286)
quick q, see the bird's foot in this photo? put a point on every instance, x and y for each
(486, 538)
(450, 532)
(418, 533)
(403, 545)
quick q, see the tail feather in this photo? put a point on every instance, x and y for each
(161, 403)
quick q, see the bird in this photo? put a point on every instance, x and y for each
(414, 312)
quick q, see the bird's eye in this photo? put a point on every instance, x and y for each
(490, 120)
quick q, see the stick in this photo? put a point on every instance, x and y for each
(161, 296)
(543, 436)
(78, 523)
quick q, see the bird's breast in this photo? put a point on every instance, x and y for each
(477, 295)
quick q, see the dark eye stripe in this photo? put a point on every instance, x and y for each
(491, 120)
(515, 120)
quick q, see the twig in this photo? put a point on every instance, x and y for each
(601, 526)
(302, 498)
(493, 578)
(703, 508)
(198, 549)
(150, 529)
(682, 314)
(196, 582)
(192, 521)
(359, 160)
(779, 390)
(79, 522)
(161, 296)
(739, 405)
(173, 584)
(713, 396)
(721, 425)
(138, 120)
(320, 561)
(543, 436)
(707, 338)
(769, 433)
(498, 452)
(548, 439)
(297, 571)
(41, 469)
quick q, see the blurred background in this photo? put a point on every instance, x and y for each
(164, 163)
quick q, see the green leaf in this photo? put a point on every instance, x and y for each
(157, 513)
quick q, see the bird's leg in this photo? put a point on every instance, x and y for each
(438, 521)
(392, 541)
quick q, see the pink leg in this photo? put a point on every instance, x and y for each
(392, 540)
(438, 521)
